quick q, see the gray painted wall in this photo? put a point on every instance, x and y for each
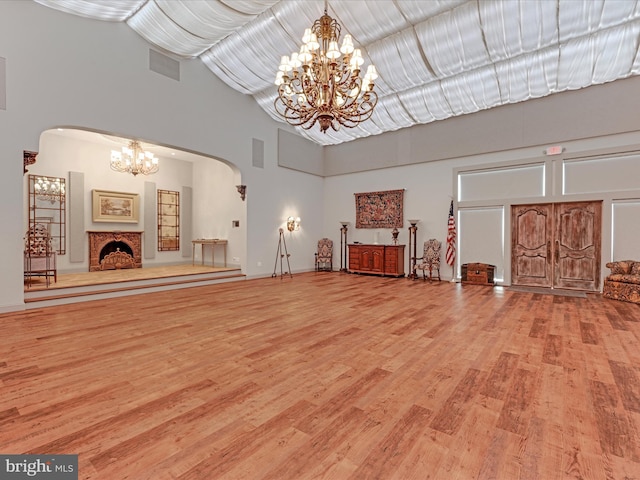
(595, 111)
(72, 71)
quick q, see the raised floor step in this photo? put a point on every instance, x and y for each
(86, 286)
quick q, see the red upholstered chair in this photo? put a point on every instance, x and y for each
(324, 255)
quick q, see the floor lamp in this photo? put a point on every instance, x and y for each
(412, 252)
(343, 246)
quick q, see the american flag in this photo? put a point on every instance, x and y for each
(451, 237)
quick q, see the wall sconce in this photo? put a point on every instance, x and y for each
(293, 223)
(28, 158)
(242, 190)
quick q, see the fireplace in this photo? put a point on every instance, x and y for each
(114, 250)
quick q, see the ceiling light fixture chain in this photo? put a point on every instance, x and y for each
(322, 83)
(134, 160)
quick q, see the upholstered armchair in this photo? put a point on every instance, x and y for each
(623, 283)
(39, 256)
(324, 255)
(430, 260)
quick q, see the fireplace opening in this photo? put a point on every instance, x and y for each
(114, 247)
(115, 256)
(114, 250)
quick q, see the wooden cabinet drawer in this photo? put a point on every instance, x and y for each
(354, 260)
(394, 260)
(391, 256)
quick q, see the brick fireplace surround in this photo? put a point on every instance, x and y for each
(106, 242)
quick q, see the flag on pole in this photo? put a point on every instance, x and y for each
(451, 237)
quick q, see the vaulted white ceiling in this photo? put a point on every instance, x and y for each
(436, 58)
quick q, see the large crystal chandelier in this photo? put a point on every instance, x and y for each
(134, 160)
(323, 84)
(49, 188)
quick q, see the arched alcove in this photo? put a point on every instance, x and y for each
(211, 205)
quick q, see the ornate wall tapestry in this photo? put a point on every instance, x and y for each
(379, 209)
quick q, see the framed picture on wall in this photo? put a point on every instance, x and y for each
(115, 207)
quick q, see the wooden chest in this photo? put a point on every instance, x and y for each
(478, 273)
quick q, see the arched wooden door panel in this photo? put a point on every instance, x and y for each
(531, 231)
(577, 245)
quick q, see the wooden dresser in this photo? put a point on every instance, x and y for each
(377, 259)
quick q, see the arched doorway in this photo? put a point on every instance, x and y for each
(210, 207)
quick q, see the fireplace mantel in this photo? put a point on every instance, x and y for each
(99, 239)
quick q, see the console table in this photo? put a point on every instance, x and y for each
(377, 259)
(208, 241)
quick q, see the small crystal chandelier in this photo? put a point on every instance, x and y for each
(134, 160)
(318, 84)
(49, 188)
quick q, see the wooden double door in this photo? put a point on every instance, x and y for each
(556, 245)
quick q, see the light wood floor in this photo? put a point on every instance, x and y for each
(123, 275)
(328, 376)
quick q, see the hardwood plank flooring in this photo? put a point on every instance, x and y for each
(79, 279)
(328, 376)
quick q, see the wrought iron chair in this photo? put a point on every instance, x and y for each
(39, 256)
(324, 255)
(430, 260)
